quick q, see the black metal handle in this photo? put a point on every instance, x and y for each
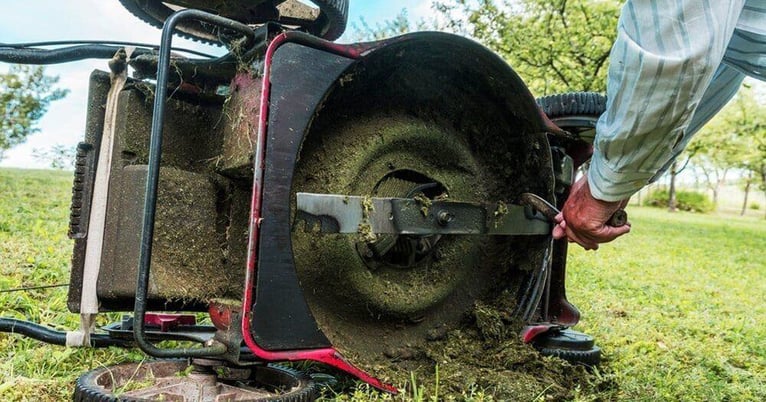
(150, 200)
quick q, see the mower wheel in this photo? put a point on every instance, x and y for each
(576, 112)
(572, 346)
(588, 358)
(177, 380)
(573, 103)
(327, 22)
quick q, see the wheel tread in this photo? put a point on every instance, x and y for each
(591, 357)
(330, 24)
(87, 390)
(573, 103)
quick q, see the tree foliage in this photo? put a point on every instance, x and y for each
(554, 45)
(734, 139)
(399, 25)
(58, 157)
(25, 93)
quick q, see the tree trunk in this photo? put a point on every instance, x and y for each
(748, 182)
(718, 183)
(763, 183)
(672, 189)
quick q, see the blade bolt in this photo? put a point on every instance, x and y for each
(444, 217)
(368, 252)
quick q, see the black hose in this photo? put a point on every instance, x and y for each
(47, 335)
(100, 42)
(63, 55)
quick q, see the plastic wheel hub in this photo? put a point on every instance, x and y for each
(176, 380)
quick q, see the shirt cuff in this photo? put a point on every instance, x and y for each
(607, 185)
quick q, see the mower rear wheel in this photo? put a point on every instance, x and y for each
(328, 23)
(177, 380)
(576, 112)
(570, 345)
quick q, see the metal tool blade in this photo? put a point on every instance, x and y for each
(334, 213)
(618, 218)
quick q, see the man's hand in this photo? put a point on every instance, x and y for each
(583, 218)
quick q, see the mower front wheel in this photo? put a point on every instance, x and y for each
(177, 380)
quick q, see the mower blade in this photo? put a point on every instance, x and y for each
(334, 213)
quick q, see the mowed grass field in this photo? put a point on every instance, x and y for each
(678, 306)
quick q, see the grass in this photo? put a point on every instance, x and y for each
(678, 305)
(34, 250)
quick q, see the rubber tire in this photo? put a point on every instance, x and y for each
(87, 388)
(590, 357)
(576, 112)
(330, 24)
(573, 103)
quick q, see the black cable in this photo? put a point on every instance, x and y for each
(100, 42)
(63, 55)
(540, 280)
(48, 335)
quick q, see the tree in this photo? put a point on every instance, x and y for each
(554, 45)
(673, 172)
(25, 93)
(716, 149)
(747, 118)
(401, 24)
(58, 156)
(733, 140)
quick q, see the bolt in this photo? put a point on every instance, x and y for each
(444, 217)
(365, 250)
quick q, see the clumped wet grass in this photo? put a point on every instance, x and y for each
(677, 305)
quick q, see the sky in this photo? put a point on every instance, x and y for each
(46, 20)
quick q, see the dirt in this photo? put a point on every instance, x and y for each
(483, 356)
(201, 227)
(452, 312)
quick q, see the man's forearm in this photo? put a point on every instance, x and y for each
(662, 62)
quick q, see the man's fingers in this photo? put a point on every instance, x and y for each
(559, 231)
(605, 234)
(583, 241)
(591, 240)
(559, 218)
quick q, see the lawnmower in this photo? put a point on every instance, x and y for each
(320, 202)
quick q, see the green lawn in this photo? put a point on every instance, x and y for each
(678, 306)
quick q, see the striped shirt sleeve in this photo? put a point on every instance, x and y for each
(661, 64)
